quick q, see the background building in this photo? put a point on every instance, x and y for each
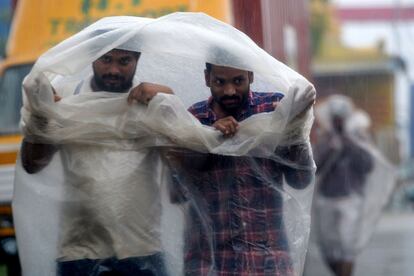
(389, 25)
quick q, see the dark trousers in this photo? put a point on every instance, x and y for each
(152, 265)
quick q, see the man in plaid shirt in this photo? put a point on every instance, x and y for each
(235, 222)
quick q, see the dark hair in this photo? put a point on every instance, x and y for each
(209, 66)
(136, 54)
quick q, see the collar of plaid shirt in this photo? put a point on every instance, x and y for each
(257, 102)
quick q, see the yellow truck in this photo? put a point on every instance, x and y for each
(37, 26)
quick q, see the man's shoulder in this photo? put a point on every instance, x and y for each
(69, 87)
(266, 97)
(199, 107)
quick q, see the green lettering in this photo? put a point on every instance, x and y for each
(54, 23)
(182, 8)
(86, 6)
(136, 2)
(70, 26)
(86, 22)
(103, 5)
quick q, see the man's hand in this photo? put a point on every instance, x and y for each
(303, 100)
(228, 126)
(35, 156)
(41, 122)
(56, 97)
(144, 92)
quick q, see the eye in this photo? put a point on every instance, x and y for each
(105, 59)
(125, 61)
(218, 82)
(239, 81)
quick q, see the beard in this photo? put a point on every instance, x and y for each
(113, 83)
(232, 104)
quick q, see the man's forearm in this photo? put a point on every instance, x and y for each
(36, 156)
(298, 156)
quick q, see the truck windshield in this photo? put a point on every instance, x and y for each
(11, 98)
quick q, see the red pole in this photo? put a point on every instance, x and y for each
(266, 22)
(247, 16)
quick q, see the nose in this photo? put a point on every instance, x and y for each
(229, 90)
(114, 69)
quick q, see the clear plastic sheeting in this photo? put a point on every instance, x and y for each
(149, 186)
(354, 182)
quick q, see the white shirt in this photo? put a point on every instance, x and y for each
(113, 206)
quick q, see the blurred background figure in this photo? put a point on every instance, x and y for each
(363, 50)
(343, 167)
(350, 174)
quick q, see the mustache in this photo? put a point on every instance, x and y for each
(230, 98)
(112, 77)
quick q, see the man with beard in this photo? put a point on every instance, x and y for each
(110, 225)
(235, 223)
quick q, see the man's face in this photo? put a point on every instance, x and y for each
(229, 87)
(338, 124)
(114, 71)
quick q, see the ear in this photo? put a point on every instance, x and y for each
(251, 77)
(207, 77)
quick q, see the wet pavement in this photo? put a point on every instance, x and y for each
(389, 253)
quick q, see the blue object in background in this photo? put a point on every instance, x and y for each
(5, 21)
(412, 121)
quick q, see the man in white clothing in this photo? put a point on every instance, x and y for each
(110, 222)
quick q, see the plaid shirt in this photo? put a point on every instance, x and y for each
(236, 225)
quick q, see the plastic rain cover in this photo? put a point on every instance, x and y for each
(354, 181)
(120, 193)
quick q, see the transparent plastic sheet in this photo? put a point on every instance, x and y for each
(118, 188)
(345, 221)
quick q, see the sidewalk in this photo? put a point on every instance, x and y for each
(390, 252)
